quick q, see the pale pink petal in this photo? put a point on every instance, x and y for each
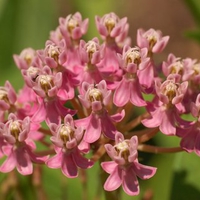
(55, 161)
(122, 93)
(109, 166)
(93, 130)
(9, 164)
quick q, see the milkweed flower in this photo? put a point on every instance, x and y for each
(124, 167)
(99, 121)
(166, 108)
(19, 147)
(66, 138)
(152, 40)
(190, 135)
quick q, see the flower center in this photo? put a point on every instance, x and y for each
(91, 47)
(28, 58)
(4, 95)
(123, 149)
(133, 56)
(170, 90)
(72, 23)
(95, 95)
(53, 52)
(66, 133)
(177, 68)
(110, 24)
(15, 129)
(46, 82)
(33, 72)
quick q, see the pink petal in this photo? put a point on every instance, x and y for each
(122, 93)
(9, 164)
(81, 161)
(114, 180)
(55, 161)
(93, 130)
(24, 164)
(130, 183)
(109, 166)
(69, 167)
(143, 171)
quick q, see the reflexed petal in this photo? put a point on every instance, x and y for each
(9, 164)
(69, 167)
(143, 171)
(130, 182)
(93, 130)
(114, 180)
(109, 166)
(81, 161)
(122, 93)
(55, 161)
(24, 164)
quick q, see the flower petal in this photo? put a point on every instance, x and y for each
(114, 180)
(130, 182)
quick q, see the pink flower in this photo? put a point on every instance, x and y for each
(190, 135)
(136, 68)
(97, 97)
(73, 27)
(27, 58)
(125, 167)
(152, 40)
(110, 25)
(54, 54)
(19, 148)
(66, 138)
(166, 108)
(51, 106)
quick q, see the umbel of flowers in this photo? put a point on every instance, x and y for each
(87, 91)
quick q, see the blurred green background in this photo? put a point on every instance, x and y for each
(27, 23)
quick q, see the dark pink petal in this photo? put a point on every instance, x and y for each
(24, 164)
(155, 120)
(197, 144)
(130, 182)
(188, 141)
(81, 161)
(167, 125)
(68, 166)
(118, 117)
(114, 180)
(108, 127)
(143, 171)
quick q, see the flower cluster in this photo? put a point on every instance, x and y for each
(85, 92)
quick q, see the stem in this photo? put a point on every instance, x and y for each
(45, 152)
(76, 105)
(155, 149)
(45, 131)
(83, 176)
(135, 122)
(143, 135)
